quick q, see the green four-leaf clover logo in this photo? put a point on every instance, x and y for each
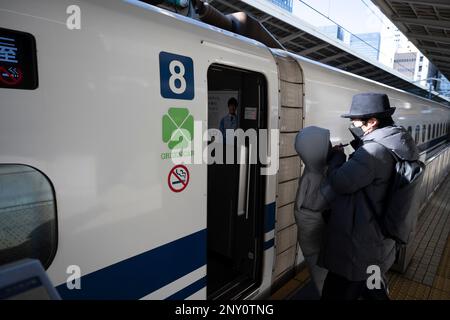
(177, 128)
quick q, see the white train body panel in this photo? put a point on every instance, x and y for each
(329, 91)
(93, 126)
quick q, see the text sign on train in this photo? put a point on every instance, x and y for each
(18, 67)
(176, 76)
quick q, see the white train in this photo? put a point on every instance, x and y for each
(86, 183)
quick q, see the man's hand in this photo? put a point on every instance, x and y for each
(337, 156)
(339, 147)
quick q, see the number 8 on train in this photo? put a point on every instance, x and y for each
(176, 76)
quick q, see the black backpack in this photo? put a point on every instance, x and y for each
(398, 219)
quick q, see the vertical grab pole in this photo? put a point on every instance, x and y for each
(242, 195)
(249, 174)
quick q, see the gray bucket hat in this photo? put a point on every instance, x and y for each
(367, 105)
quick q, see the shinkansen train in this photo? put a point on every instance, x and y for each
(93, 96)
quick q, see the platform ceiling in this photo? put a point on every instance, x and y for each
(319, 48)
(426, 24)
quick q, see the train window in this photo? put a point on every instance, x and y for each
(429, 132)
(27, 215)
(417, 134)
(434, 131)
(410, 130)
(424, 132)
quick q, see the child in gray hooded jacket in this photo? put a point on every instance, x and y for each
(312, 145)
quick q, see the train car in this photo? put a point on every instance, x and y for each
(89, 182)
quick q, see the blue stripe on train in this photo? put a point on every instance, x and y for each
(269, 244)
(269, 217)
(140, 275)
(269, 223)
(147, 272)
(189, 290)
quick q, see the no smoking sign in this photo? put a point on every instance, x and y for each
(178, 178)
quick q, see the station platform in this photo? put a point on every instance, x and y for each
(428, 274)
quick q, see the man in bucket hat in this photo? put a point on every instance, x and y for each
(353, 244)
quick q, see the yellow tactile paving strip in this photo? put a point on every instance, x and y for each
(292, 286)
(402, 288)
(428, 274)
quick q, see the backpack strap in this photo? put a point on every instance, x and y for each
(391, 152)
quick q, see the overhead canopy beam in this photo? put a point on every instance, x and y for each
(445, 69)
(423, 22)
(291, 37)
(334, 57)
(311, 50)
(225, 3)
(362, 69)
(438, 3)
(410, 35)
(277, 26)
(348, 64)
(374, 74)
(382, 77)
(436, 49)
(436, 60)
(265, 18)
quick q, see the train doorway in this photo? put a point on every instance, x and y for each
(235, 200)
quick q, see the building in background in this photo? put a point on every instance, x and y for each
(285, 4)
(333, 31)
(438, 81)
(413, 65)
(367, 44)
(409, 61)
(443, 87)
(405, 63)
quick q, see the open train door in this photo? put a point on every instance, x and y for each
(235, 199)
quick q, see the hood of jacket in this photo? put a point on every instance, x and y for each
(396, 139)
(312, 144)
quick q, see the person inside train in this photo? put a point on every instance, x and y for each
(231, 120)
(312, 145)
(353, 241)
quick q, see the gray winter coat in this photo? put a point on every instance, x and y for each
(311, 144)
(353, 240)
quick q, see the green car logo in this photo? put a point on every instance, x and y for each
(178, 128)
